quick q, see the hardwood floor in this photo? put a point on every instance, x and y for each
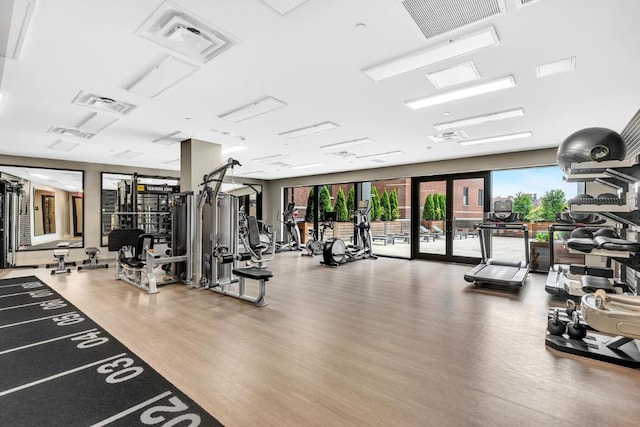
(382, 342)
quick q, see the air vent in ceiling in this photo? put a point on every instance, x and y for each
(523, 3)
(71, 132)
(456, 135)
(184, 33)
(435, 17)
(102, 103)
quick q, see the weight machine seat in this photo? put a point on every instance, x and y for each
(253, 273)
(506, 263)
(591, 284)
(612, 244)
(582, 244)
(143, 242)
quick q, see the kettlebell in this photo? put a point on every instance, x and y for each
(575, 330)
(554, 325)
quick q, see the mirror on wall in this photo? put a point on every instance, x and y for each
(137, 201)
(48, 212)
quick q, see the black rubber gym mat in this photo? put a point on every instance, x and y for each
(60, 368)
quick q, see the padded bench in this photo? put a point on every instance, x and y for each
(262, 275)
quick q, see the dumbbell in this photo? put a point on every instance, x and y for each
(575, 330)
(554, 325)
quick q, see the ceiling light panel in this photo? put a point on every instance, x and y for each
(254, 109)
(71, 132)
(307, 166)
(96, 123)
(234, 149)
(463, 93)
(61, 145)
(309, 130)
(450, 49)
(557, 67)
(345, 144)
(163, 76)
(478, 120)
(252, 172)
(102, 103)
(435, 17)
(283, 7)
(456, 75)
(497, 138)
(184, 33)
(172, 138)
(379, 155)
(128, 154)
(21, 16)
(270, 158)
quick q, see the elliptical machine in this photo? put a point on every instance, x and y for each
(315, 244)
(292, 242)
(336, 252)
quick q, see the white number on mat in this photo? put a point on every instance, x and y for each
(53, 304)
(120, 370)
(68, 319)
(150, 417)
(90, 339)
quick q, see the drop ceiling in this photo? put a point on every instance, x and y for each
(81, 70)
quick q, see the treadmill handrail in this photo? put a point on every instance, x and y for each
(499, 226)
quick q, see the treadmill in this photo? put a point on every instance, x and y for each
(500, 273)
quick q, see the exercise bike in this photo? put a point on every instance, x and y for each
(337, 252)
(292, 232)
(314, 245)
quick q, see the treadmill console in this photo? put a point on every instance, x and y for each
(503, 212)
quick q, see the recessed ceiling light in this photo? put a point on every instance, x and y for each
(497, 138)
(128, 154)
(269, 158)
(378, 155)
(61, 145)
(234, 149)
(254, 109)
(449, 49)
(320, 127)
(463, 93)
(172, 138)
(478, 120)
(161, 77)
(307, 166)
(41, 176)
(456, 75)
(252, 172)
(345, 144)
(556, 67)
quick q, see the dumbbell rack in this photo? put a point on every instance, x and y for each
(623, 177)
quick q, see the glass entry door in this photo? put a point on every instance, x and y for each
(446, 208)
